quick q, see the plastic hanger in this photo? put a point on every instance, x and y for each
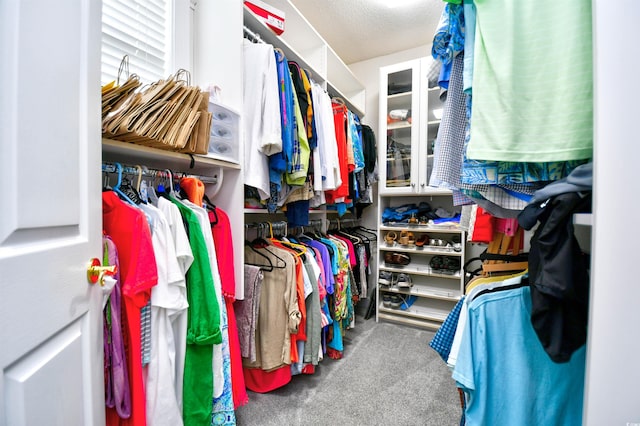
(268, 267)
(262, 243)
(212, 208)
(118, 190)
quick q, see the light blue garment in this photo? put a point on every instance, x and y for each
(356, 142)
(508, 377)
(448, 39)
(469, 45)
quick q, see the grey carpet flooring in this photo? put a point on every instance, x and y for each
(388, 376)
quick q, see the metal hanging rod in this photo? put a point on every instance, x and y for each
(251, 35)
(147, 172)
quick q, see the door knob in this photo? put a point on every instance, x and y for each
(96, 273)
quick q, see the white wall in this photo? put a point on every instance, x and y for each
(368, 72)
(613, 370)
(217, 60)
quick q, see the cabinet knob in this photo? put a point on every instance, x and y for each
(413, 184)
(423, 184)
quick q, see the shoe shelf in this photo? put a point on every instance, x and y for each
(434, 250)
(420, 228)
(424, 291)
(435, 292)
(421, 310)
(419, 270)
(421, 322)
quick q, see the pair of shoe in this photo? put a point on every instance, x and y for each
(386, 278)
(391, 301)
(389, 279)
(395, 258)
(407, 238)
(422, 240)
(404, 281)
(444, 264)
(398, 301)
(390, 238)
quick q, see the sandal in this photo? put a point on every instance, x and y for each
(390, 238)
(394, 258)
(407, 238)
(422, 240)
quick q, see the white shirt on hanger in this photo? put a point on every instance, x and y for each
(162, 401)
(327, 147)
(262, 125)
(184, 255)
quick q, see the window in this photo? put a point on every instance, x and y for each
(141, 29)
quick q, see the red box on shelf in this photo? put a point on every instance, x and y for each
(274, 18)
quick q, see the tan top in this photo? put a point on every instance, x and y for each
(279, 315)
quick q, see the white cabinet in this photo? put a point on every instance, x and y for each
(410, 115)
(409, 118)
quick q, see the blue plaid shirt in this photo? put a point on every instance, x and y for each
(443, 338)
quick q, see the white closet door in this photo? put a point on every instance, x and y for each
(50, 213)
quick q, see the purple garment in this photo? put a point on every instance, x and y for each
(117, 391)
(326, 264)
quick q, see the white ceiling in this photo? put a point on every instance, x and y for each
(363, 29)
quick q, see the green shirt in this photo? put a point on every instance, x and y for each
(532, 81)
(203, 327)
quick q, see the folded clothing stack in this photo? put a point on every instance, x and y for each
(404, 212)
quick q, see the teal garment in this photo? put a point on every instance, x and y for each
(532, 81)
(203, 327)
(223, 409)
(358, 154)
(508, 377)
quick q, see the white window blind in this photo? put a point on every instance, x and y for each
(140, 29)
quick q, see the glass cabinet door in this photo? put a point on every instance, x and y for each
(400, 105)
(434, 114)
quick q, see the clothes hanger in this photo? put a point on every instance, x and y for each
(298, 249)
(118, 190)
(212, 208)
(263, 244)
(268, 267)
(130, 191)
(374, 235)
(280, 52)
(151, 191)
